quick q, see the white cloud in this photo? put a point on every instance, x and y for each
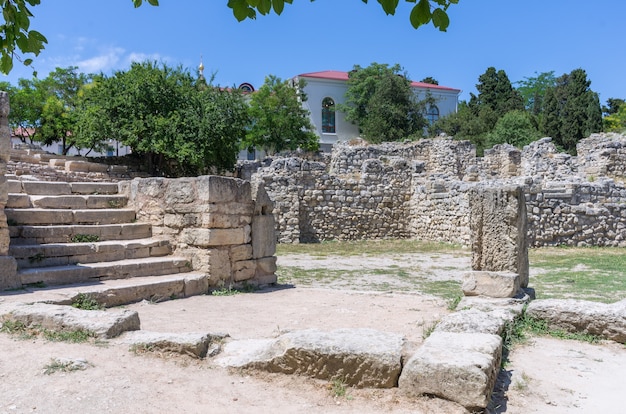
(140, 57)
(107, 60)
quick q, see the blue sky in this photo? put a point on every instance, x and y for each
(521, 37)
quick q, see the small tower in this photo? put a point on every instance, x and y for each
(201, 70)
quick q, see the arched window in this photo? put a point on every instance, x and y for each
(328, 115)
(432, 114)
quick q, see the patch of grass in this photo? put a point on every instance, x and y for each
(58, 365)
(86, 301)
(75, 337)
(19, 329)
(85, 238)
(428, 328)
(338, 388)
(366, 247)
(25, 332)
(114, 203)
(36, 258)
(225, 291)
(587, 273)
(36, 285)
(519, 331)
(454, 302)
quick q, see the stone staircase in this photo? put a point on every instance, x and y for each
(82, 234)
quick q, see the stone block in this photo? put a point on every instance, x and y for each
(95, 167)
(197, 284)
(217, 189)
(241, 252)
(76, 166)
(360, 357)
(46, 188)
(180, 191)
(15, 186)
(498, 225)
(190, 343)
(224, 221)
(579, 316)
(219, 266)
(57, 163)
(64, 202)
(104, 324)
(244, 270)
(460, 367)
(265, 266)
(492, 284)
(213, 237)
(8, 273)
(263, 236)
(18, 201)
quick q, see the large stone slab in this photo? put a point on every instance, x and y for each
(460, 367)
(478, 321)
(193, 344)
(8, 273)
(580, 316)
(104, 324)
(360, 357)
(498, 225)
(492, 284)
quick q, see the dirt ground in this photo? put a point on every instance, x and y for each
(544, 376)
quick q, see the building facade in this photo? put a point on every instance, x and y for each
(326, 89)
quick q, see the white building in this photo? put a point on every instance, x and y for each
(326, 89)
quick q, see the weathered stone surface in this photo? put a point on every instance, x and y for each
(193, 344)
(8, 273)
(265, 266)
(213, 237)
(478, 321)
(460, 367)
(492, 284)
(498, 222)
(361, 357)
(214, 189)
(105, 324)
(263, 236)
(579, 316)
(244, 270)
(241, 252)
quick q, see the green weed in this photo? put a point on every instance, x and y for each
(86, 301)
(85, 238)
(58, 365)
(36, 258)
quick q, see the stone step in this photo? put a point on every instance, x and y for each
(64, 233)
(117, 292)
(61, 188)
(60, 254)
(22, 200)
(94, 272)
(42, 216)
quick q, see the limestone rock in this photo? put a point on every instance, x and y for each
(604, 320)
(104, 324)
(193, 344)
(492, 284)
(460, 367)
(360, 357)
(475, 320)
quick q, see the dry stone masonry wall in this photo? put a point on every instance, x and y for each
(422, 190)
(224, 226)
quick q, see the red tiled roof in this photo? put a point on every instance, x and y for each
(343, 76)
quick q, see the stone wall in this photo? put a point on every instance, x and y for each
(421, 190)
(224, 226)
(8, 266)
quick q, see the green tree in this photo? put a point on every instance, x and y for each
(430, 80)
(533, 90)
(58, 116)
(424, 11)
(613, 106)
(616, 121)
(496, 96)
(381, 101)
(175, 125)
(515, 128)
(27, 101)
(279, 122)
(571, 110)
(464, 125)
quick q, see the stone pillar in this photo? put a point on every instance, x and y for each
(8, 267)
(498, 225)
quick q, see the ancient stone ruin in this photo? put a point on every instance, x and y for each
(65, 222)
(423, 190)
